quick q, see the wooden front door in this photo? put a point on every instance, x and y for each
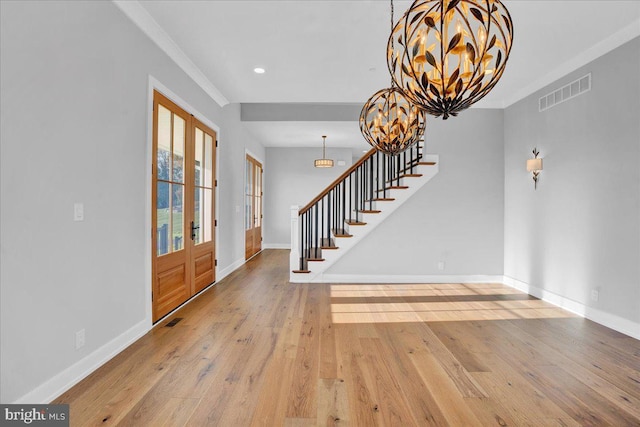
(183, 196)
(253, 207)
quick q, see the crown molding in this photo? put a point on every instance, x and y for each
(139, 15)
(605, 46)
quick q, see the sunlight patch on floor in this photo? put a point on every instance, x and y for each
(417, 290)
(440, 311)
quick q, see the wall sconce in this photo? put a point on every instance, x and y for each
(535, 165)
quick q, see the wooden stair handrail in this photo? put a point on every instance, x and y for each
(337, 181)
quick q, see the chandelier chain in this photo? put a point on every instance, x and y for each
(393, 82)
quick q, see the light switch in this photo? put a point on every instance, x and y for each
(78, 211)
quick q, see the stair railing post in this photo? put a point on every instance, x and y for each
(295, 257)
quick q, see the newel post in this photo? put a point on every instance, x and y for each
(294, 257)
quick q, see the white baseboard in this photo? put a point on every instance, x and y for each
(609, 320)
(229, 269)
(276, 246)
(394, 278)
(66, 379)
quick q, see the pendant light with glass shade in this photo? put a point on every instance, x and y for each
(323, 162)
(390, 121)
(448, 54)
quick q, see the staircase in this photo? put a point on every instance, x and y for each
(352, 206)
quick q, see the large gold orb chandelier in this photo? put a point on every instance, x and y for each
(447, 54)
(389, 120)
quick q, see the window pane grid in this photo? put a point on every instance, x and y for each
(170, 182)
(203, 189)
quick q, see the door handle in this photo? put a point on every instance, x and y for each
(193, 230)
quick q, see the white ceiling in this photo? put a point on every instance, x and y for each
(334, 51)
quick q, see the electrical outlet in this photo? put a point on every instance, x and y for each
(440, 265)
(78, 211)
(595, 295)
(79, 339)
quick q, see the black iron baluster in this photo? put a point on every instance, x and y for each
(329, 212)
(363, 194)
(350, 194)
(309, 236)
(369, 185)
(404, 161)
(315, 232)
(377, 179)
(344, 206)
(411, 159)
(322, 216)
(371, 179)
(356, 184)
(336, 206)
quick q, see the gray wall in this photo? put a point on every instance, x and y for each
(580, 230)
(74, 82)
(457, 217)
(235, 140)
(291, 179)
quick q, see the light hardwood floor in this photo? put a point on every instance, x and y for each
(257, 350)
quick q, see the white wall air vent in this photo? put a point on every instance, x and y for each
(565, 93)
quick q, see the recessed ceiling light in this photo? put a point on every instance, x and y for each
(259, 70)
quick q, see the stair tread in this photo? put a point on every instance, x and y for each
(341, 233)
(315, 259)
(330, 247)
(371, 211)
(393, 187)
(380, 199)
(427, 163)
(301, 271)
(356, 223)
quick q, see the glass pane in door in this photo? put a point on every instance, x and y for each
(208, 161)
(198, 157)
(178, 148)
(197, 214)
(163, 161)
(207, 214)
(162, 218)
(248, 212)
(177, 210)
(257, 194)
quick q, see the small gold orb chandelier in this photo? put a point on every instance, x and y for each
(448, 54)
(389, 120)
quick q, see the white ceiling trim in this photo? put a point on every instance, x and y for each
(605, 46)
(139, 15)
